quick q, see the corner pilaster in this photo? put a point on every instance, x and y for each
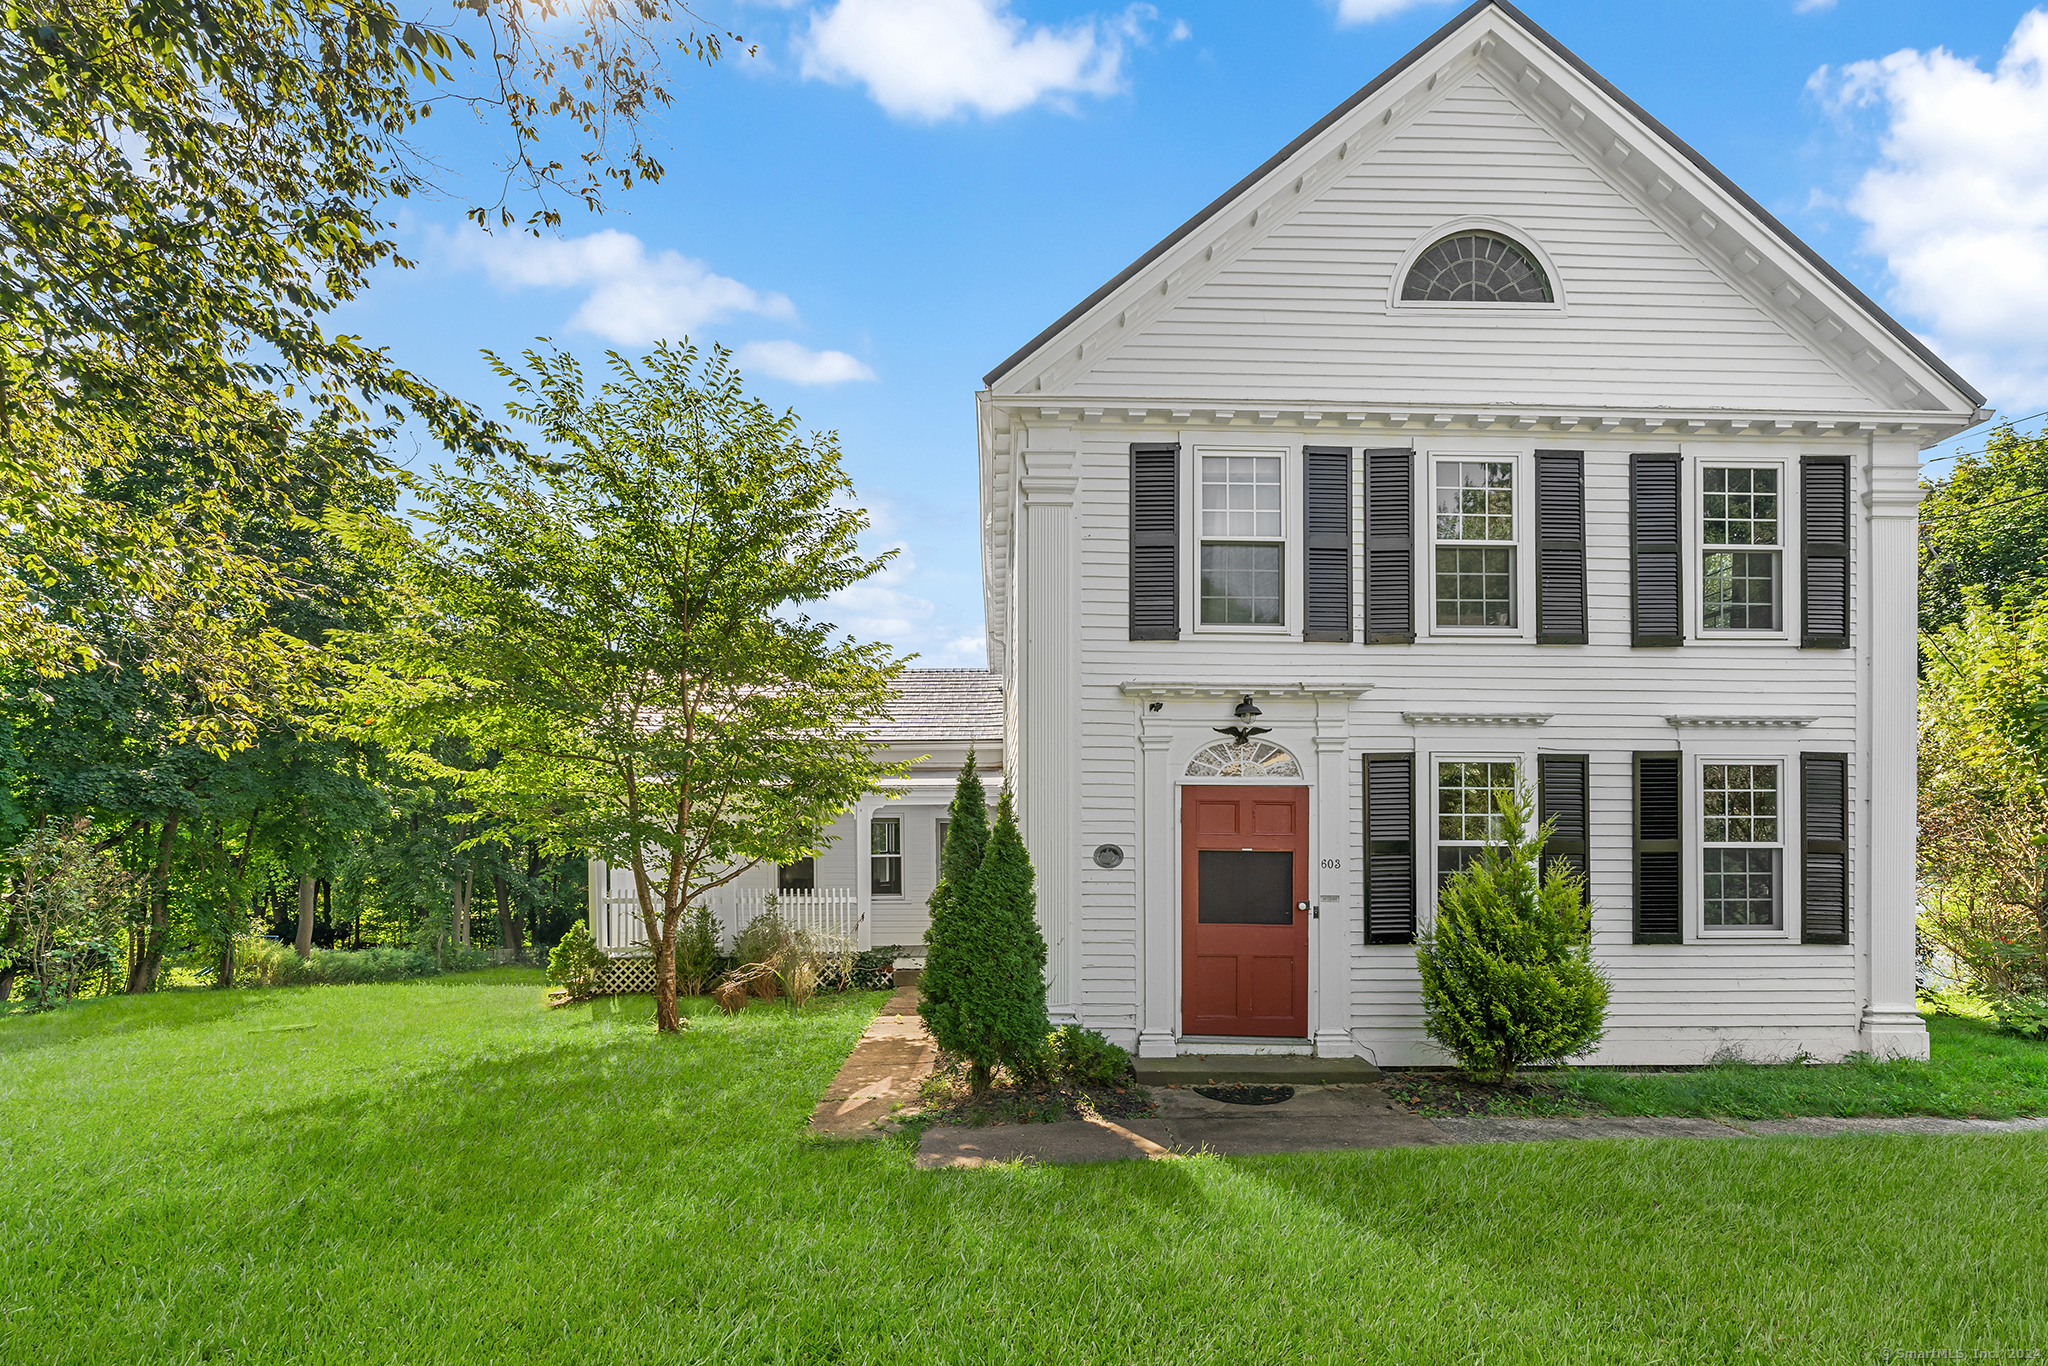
(1049, 714)
(1891, 1025)
(1158, 916)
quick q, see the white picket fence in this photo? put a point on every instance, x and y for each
(616, 925)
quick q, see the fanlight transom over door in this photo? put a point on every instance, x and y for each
(1244, 889)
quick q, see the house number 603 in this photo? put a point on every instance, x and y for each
(1333, 863)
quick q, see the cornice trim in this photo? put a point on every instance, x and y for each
(1476, 718)
(1741, 722)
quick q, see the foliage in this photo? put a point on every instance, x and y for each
(873, 969)
(987, 1004)
(1087, 1057)
(577, 963)
(2024, 1016)
(762, 938)
(271, 964)
(1508, 977)
(1984, 530)
(960, 859)
(62, 904)
(1984, 794)
(696, 951)
(619, 626)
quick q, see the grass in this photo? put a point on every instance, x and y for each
(439, 1171)
(1975, 1073)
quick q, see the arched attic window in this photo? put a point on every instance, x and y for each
(1477, 267)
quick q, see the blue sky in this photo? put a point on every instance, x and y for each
(893, 195)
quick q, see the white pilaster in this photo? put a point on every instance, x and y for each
(1329, 937)
(1889, 561)
(864, 869)
(1049, 750)
(1158, 907)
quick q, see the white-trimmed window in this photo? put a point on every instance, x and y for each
(1742, 845)
(939, 852)
(1742, 559)
(1467, 815)
(885, 856)
(1474, 523)
(1243, 571)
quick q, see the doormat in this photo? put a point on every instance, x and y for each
(1242, 1094)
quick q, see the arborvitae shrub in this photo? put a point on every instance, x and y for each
(989, 1004)
(576, 962)
(1508, 977)
(696, 951)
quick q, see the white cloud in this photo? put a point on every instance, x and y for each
(631, 297)
(1958, 202)
(799, 364)
(1351, 12)
(1811, 6)
(933, 59)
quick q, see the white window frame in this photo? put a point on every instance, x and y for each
(1522, 458)
(1522, 237)
(874, 824)
(1700, 460)
(1289, 541)
(939, 825)
(1789, 843)
(1524, 761)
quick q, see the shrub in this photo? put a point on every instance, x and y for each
(696, 951)
(2026, 1016)
(1086, 1057)
(269, 963)
(1995, 944)
(984, 980)
(765, 936)
(1507, 970)
(577, 963)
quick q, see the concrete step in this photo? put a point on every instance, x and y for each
(1273, 1069)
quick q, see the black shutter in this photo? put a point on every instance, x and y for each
(1824, 552)
(1656, 552)
(1658, 883)
(1390, 547)
(1562, 795)
(1155, 542)
(1824, 826)
(1560, 547)
(1389, 848)
(1326, 524)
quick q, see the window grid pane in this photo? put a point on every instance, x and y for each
(1241, 585)
(1475, 500)
(1739, 506)
(1241, 496)
(1465, 791)
(885, 847)
(1739, 590)
(1475, 586)
(1740, 802)
(1741, 887)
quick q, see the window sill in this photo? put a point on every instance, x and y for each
(1704, 636)
(1251, 632)
(1717, 934)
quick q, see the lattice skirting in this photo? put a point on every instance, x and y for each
(629, 976)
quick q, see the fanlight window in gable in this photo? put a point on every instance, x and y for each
(1477, 267)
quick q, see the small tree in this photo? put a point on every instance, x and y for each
(1508, 977)
(66, 894)
(988, 1002)
(959, 861)
(619, 625)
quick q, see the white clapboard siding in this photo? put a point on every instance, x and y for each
(1301, 310)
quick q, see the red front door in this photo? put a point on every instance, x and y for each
(1244, 917)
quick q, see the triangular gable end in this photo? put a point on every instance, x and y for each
(1701, 240)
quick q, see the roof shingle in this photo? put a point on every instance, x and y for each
(944, 704)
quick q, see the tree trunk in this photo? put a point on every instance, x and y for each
(143, 978)
(303, 945)
(508, 947)
(224, 979)
(7, 975)
(666, 1020)
(458, 925)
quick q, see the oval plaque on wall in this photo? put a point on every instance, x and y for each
(1108, 855)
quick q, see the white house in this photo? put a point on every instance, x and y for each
(881, 859)
(1485, 435)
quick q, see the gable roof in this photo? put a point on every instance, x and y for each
(942, 705)
(1790, 239)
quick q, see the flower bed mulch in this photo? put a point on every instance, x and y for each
(1454, 1094)
(948, 1100)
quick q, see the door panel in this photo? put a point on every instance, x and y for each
(1244, 871)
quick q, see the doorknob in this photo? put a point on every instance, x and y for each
(1301, 906)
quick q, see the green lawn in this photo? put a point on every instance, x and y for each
(442, 1171)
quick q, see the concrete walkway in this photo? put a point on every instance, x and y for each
(884, 1071)
(1340, 1117)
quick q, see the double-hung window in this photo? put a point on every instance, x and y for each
(1742, 847)
(939, 855)
(1244, 545)
(1468, 793)
(1741, 556)
(885, 855)
(1475, 542)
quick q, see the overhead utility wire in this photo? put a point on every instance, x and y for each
(1957, 455)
